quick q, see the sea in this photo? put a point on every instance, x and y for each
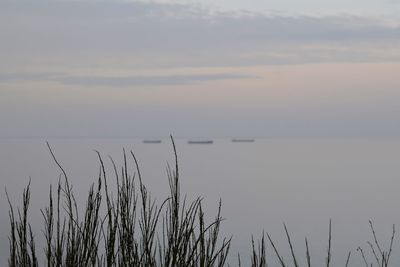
(302, 182)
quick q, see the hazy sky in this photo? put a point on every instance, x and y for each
(200, 68)
(313, 7)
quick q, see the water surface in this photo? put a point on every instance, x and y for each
(303, 182)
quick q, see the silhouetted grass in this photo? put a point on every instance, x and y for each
(128, 228)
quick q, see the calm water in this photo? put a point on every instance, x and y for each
(303, 182)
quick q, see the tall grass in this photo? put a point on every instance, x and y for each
(133, 230)
(127, 227)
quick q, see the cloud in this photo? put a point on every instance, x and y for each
(26, 77)
(149, 80)
(82, 33)
(119, 81)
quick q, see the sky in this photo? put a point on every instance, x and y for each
(224, 68)
(311, 7)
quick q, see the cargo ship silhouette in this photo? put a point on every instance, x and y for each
(240, 140)
(201, 142)
(152, 141)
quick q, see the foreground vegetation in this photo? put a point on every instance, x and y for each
(131, 229)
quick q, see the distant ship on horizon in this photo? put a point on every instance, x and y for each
(243, 140)
(152, 141)
(205, 142)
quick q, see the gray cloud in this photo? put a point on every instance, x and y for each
(162, 35)
(27, 77)
(119, 81)
(148, 80)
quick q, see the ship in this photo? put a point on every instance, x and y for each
(243, 140)
(202, 142)
(152, 141)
